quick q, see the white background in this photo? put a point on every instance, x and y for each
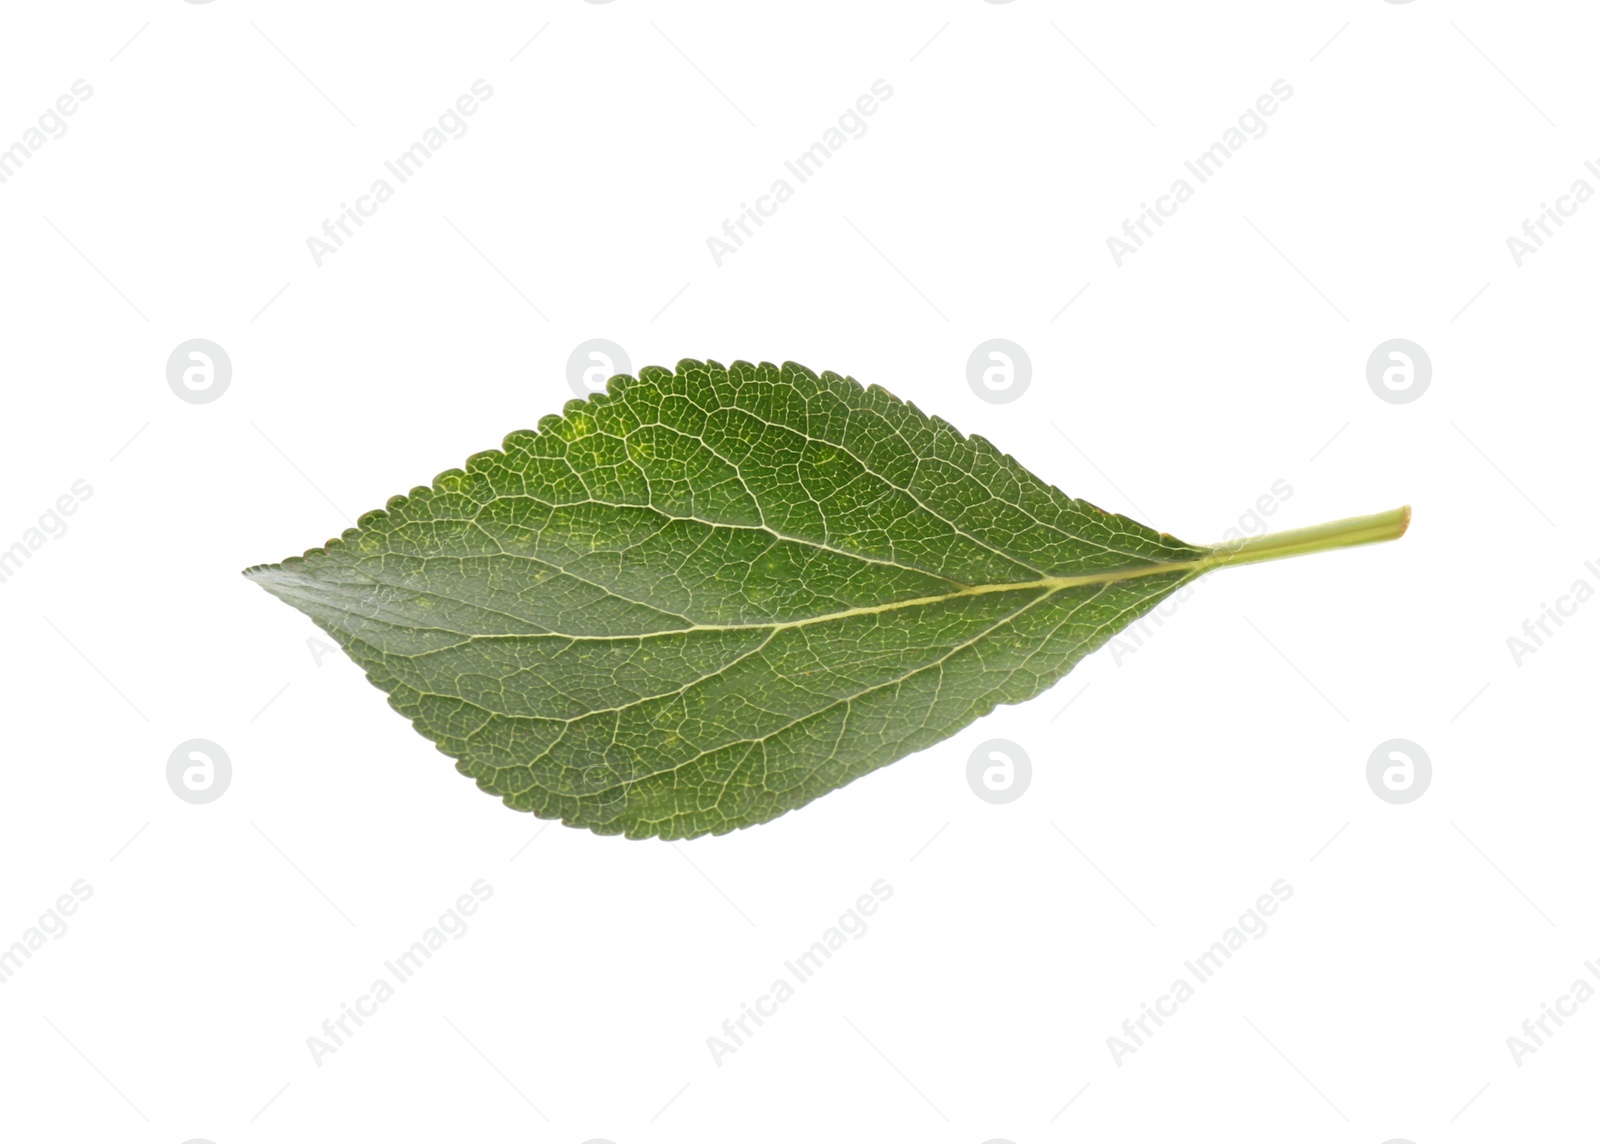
(1183, 780)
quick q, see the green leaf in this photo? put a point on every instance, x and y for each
(712, 595)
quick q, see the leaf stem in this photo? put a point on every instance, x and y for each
(1372, 529)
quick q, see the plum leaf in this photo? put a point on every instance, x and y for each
(710, 595)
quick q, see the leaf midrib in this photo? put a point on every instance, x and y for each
(1048, 585)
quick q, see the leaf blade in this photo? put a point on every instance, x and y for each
(713, 594)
